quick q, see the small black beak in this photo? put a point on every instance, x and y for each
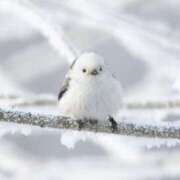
(94, 72)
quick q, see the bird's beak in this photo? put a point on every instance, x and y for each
(94, 72)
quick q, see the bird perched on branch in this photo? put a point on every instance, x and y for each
(90, 90)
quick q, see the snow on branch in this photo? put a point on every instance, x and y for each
(59, 122)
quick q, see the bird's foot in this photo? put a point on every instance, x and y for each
(80, 124)
(113, 123)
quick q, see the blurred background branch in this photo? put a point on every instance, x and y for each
(51, 100)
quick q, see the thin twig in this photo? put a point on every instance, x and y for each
(50, 100)
(28, 100)
(164, 104)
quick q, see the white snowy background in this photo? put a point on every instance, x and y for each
(140, 41)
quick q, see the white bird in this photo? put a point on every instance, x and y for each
(89, 90)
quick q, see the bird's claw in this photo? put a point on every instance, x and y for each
(113, 123)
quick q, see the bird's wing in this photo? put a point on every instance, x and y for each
(64, 87)
(73, 63)
(65, 84)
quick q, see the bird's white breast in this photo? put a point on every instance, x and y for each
(95, 98)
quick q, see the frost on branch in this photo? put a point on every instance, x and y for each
(60, 122)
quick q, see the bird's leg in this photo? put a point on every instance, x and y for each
(80, 124)
(113, 123)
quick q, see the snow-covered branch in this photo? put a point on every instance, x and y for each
(161, 104)
(27, 100)
(91, 125)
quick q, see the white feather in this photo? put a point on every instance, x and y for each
(91, 96)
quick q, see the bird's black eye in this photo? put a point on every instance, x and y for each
(100, 69)
(84, 70)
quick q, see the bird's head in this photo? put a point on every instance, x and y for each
(88, 65)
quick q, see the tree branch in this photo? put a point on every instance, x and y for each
(161, 104)
(60, 122)
(27, 100)
(50, 100)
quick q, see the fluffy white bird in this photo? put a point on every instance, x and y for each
(90, 90)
